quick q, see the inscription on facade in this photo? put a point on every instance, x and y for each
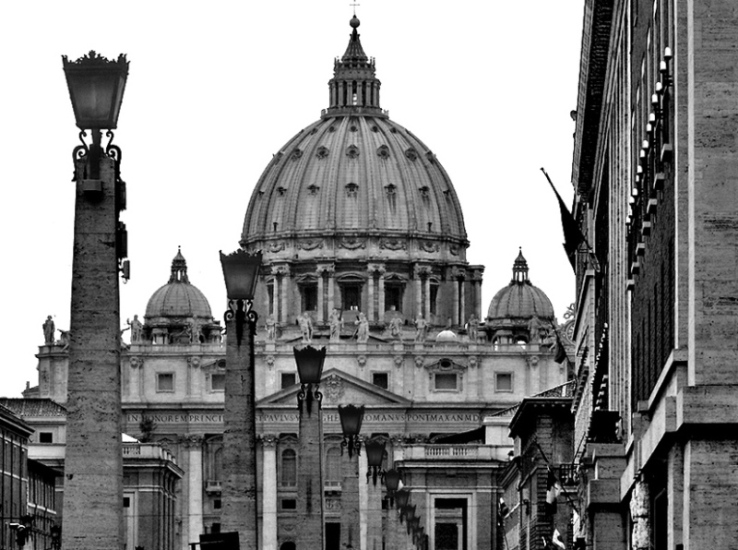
(288, 418)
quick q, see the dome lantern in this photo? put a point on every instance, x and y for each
(354, 86)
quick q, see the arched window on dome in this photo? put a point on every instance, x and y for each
(434, 286)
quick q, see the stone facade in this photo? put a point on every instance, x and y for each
(655, 334)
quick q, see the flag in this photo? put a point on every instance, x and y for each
(573, 236)
(553, 489)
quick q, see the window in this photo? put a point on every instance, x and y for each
(165, 382)
(447, 382)
(217, 382)
(333, 467)
(215, 528)
(433, 297)
(45, 437)
(288, 379)
(289, 504)
(351, 296)
(393, 297)
(309, 297)
(126, 502)
(217, 504)
(270, 294)
(503, 381)
(289, 468)
(380, 379)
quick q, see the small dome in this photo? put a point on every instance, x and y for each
(446, 337)
(519, 301)
(178, 298)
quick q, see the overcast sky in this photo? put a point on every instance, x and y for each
(215, 89)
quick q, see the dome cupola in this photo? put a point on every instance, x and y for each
(519, 306)
(179, 311)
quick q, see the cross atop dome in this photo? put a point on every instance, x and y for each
(354, 87)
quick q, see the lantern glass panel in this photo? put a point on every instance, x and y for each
(402, 496)
(351, 419)
(310, 362)
(392, 479)
(374, 452)
(241, 273)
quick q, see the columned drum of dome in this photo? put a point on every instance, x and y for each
(355, 213)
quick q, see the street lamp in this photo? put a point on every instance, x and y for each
(93, 468)
(392, 480)
(310, 362)
(240, 514)
(310, 491)
(374, 456)
(351, 419)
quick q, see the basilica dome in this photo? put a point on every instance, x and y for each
(178, 298)
(355, 180)
(520, 301)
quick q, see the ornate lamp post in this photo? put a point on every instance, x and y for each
(310, 497)
(93, 469)
(240, 515)
(351, 419)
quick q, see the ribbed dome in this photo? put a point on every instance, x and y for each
(352, 177)
(520, 300)
(178, 298)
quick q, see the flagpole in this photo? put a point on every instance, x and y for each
(571, 230)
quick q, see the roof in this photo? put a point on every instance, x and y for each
(25, 407)
(564, 390)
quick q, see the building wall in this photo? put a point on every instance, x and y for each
(663, 160)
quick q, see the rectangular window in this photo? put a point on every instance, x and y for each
(165, 382)
(289, 504)
(503, 381)
(217, 504)
(433, 298)
(351, 297)
(217, 382)
(446, 382)
(215, 528)
(309, 297)
(126, 502)
(380, 379)
(45, 437)
(392, 297)
(288, 379)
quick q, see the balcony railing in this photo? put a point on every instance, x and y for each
(448, 452)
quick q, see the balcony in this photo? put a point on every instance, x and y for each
(449, 452)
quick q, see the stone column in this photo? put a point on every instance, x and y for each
(328, 270)
(286, 291)
(239, 434)
(380, 296)
(350, 530)
(370, 296)
(374, 515)
(363, 501)
(455, 283)
(427, 297)
(310, 504)
(269, 491)
(93, 471)
(321, 301)
(462, 301)
(194, 482)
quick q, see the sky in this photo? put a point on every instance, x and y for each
(216, 88)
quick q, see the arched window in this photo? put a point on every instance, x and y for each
(333, 467)
(289, 468)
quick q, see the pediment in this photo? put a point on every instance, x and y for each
(339, 388)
